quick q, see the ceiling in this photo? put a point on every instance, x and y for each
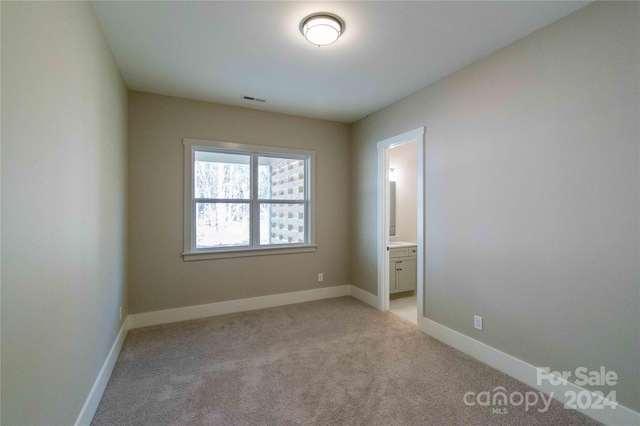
(219, 51)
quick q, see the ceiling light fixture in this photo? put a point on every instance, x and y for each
(322, 29)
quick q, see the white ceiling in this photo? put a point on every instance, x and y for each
(220, 51)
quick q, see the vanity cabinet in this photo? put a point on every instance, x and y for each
(403, 269)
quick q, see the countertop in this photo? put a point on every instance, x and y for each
(401, 244)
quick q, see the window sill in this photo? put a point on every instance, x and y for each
(246, 252)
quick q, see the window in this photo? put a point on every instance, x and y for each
(247, 200)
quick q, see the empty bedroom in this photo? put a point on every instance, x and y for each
(320, 213)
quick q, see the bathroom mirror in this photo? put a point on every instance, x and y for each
(392, 209)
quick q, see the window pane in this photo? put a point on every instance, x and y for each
(222, 224)
(218, 175)
(280, 179)
(282, 223)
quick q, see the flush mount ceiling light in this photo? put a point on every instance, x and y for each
(322, 28)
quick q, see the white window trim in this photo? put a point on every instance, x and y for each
(190, 252)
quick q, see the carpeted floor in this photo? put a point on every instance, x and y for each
(329, 362)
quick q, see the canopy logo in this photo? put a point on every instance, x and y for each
(499, 400)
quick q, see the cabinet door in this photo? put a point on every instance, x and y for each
(393, 283)
(407, 278)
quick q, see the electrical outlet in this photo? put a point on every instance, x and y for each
(120, 313)
(320, 276)
(477, 322)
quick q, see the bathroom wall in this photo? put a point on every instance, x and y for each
(403, 159)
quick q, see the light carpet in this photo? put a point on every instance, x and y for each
(329, 362)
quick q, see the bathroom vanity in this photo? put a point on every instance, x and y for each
(403, 267)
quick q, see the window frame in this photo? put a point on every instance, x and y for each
(191, 252)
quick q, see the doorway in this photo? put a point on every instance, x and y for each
(401, 263)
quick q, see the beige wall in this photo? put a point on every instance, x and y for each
(159, 278)
(64, 133)
(403, 159)
(531, 195)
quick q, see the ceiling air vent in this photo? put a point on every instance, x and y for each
(251, 98)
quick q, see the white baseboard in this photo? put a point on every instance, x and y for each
(231, 306)
(364, 296)
(93, 399)
(524, 372)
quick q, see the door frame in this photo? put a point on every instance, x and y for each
(417, 136)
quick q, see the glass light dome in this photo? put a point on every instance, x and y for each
(321, 29)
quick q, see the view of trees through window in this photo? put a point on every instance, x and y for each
(222, 189)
